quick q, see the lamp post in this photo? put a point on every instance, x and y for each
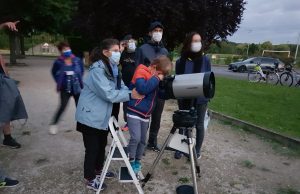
(249, 31)
(296, 53)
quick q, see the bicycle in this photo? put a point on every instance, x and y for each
(289, 76)
(258, 75)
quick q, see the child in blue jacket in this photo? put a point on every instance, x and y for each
(145, 81)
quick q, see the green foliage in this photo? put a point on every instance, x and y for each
(247, 164)
(41, 15)
(4, 41)
(166, 161)
(184, 180)
(100, 19)
(273, 107)
(287, 190)
(228, 60)
(267, 45)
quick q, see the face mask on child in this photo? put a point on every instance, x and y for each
(67, 53)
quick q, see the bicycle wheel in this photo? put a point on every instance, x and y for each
(254, 76)
(286, 79)
(273, 78)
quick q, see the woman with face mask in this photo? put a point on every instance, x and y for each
(102, 87)
(191, 61)
(67, 72)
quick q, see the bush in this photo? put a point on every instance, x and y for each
(228, 60)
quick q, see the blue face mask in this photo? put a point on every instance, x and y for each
(67, 53)
(115, 57)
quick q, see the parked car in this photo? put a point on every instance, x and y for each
(249, 64)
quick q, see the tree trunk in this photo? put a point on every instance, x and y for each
(12, 46)
(22, 43)
(18, 46)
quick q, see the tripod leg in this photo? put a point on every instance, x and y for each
(192, 159)
(149, 174)
(196, 162)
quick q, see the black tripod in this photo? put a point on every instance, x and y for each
(181, 119)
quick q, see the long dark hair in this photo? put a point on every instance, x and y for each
(97, 52)
(187, 43)
(187, 53)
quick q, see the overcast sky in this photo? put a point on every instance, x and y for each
(277, 21)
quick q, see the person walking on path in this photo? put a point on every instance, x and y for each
(145, 55)
(67, 72)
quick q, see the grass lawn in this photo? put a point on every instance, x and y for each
(273, 107)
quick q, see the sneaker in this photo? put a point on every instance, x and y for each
(125, 128)
(153, 148)
(138, 166)
(133, 165)
(178, 155)
(53, 130)
(198, 156)
(108, 175)
(12, 143)
(9, 183)
(94, 185)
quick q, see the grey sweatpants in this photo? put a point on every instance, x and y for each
(138, 135)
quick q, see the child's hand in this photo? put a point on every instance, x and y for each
(160, 76)
(135, 95)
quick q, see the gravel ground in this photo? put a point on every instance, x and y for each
(233, 161)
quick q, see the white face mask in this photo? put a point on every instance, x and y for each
(196, 46)
(157, 36)
(115, 57)
(131, 47)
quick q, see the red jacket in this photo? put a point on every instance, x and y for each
(146, 84)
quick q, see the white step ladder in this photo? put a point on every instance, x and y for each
(118, 151)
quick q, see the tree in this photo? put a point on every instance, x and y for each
(39, 15)
(213, 19)
(267, 45)
(253, 49)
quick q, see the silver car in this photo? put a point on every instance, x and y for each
(266, 63)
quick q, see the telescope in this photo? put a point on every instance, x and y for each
(189, 86)
(186, 86)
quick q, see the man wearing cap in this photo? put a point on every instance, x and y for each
(127, 63)
(145, 55)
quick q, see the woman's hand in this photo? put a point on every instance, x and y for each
(136, 95)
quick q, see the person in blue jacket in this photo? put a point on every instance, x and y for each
(102, 88)
(192, 60)
(67, 72)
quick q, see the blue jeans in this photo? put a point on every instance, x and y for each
(138, 135)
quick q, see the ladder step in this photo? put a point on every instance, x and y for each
(124, 176)
(117, 154)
